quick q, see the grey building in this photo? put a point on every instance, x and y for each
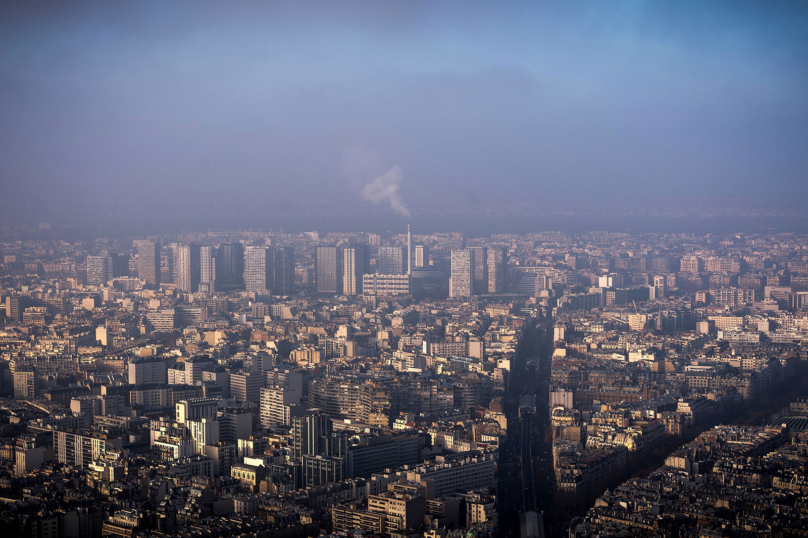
(99, 270)
(391, 261)
(284, 271)
(148, 262)
(461, 283)
(328, 270)
(497, 270)
(230, 266)
(480, 269)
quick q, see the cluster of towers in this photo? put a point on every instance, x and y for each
(342, 269)
(197, 268)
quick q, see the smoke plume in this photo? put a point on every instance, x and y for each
(385, 188)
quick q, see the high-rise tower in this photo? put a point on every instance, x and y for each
(328, 270)
(461, 283)
(120, 264)
(207, 271)
(230, 266)
(308, 432)
(497, 269)
(259, 269)
(99, 270)
(171, 263)
(390, 261)
(148, 262)
(480, 269)
(188, 267)
(421, 256)
(353, 264)
(284, 271)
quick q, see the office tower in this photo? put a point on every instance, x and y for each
(235, 423)
(390, 261)
(120, 265)
(308, 432)
(533, 284)
(284, 271)
(16, 305)
(323, 453)
(421, 256)
(207, 269)
(246, 387)
(195, 409)
(204, 431)
(497, 270)
(374, 240)
(480, 269)
(188, 267)
(326, 469)
(259, 269)
(170, 277)
(148, 262)
(99, 270)
(328, 270)
(147, 370)
(230, 266)
(461, 283)
(365, 258)
(353, 262)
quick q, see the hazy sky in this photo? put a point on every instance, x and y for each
(187, 103)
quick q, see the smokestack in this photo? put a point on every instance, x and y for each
(409, 250)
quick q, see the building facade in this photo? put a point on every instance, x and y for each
(461, 283)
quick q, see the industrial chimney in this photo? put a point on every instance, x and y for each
(409, 250)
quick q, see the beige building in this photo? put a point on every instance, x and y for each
(25, 385)
(248, 475)
(723, 323)
(278, 406)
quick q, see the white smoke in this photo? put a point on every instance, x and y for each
(363, 167)
(385, 188)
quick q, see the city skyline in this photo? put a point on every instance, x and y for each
(504, 385)
(342, 269)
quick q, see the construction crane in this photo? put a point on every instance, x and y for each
(644, 325)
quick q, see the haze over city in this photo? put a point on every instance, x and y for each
(403, 269)
(127, 114)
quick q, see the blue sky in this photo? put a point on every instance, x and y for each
(560, 103)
